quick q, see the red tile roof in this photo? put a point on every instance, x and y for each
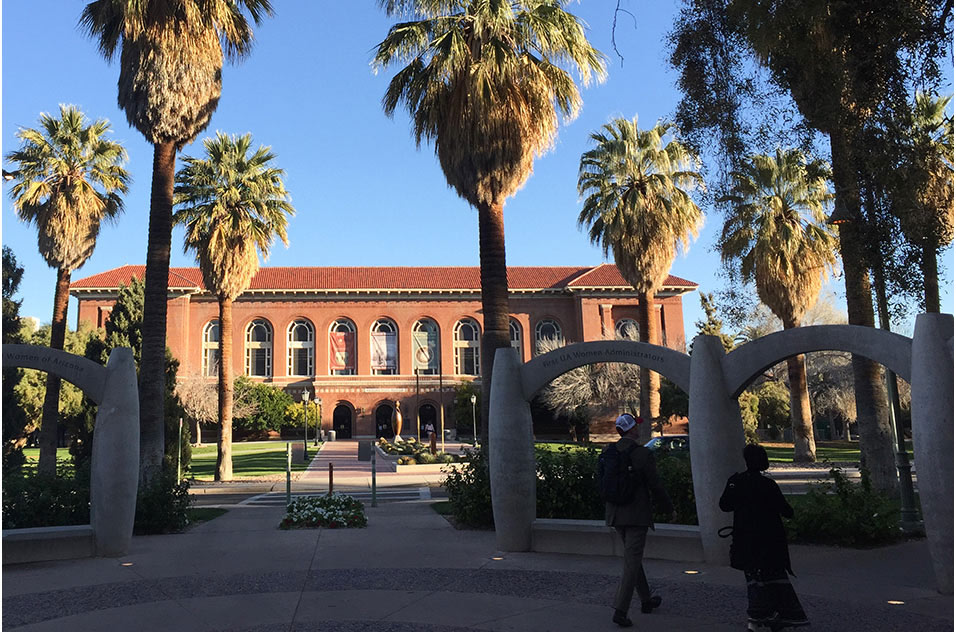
(388, 278)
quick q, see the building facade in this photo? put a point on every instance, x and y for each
(358, 340)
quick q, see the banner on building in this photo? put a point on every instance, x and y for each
(425, 350)
(341, 350)
(384, 351)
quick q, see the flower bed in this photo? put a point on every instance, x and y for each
(332, 511)
(413, 452)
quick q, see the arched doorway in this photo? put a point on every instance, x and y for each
(342, 422)
(427, 414)
(383, 422)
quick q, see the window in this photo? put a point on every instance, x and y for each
(547, 330)
(514, 329)
(426, 353)
(210, 349)
(626, 329)
(467, 347)
(384, 344)
(259, 348)
(300, 345)
(342, 347)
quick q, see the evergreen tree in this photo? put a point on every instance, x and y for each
(14, 419)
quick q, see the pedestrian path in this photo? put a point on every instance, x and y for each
(278, 499)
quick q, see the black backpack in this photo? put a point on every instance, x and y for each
(617, 477)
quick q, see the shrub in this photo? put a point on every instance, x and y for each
(675, 473)
(34, 500)
(567, 485)
(845, 514)
(425, 458)
(162, 506)
(469, 491)
(332, 511)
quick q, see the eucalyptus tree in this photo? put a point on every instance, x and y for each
(485, 80)
(68, 178)
(233, 205)
(636, 187)
(775, 232)
(171, 57)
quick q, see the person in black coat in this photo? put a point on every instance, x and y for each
(760, 544)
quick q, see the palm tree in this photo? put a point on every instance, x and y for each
(484, 82)
(169, 86)
(635, 186)
(776, 233)
(927, 216)
(69, 177)
(232, 204)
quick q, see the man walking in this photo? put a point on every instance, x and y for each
(628, 477)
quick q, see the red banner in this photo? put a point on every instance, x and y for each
(341, 350)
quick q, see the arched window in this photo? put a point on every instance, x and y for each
(426, 354)
(384, 344)
(626, 329)
(467, 347)
(300, 345)
(259, 348)
(210, 349)
(514, 329)
(547, 330)
(342, 347)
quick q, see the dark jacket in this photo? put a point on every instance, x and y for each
(760, 540)
(639, 512)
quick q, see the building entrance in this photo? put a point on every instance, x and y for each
(342, 422)
(427, 414)
(383, 422)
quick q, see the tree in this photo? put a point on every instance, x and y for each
(483, 81)
(14, 419)
(200, 401)
(775, 234)
(712, 325)
(232, 204)
(839, 61)
(171, 58)
(637, 204)
(69, 178)
(267, 405)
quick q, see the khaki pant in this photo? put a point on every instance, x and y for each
(632, 577)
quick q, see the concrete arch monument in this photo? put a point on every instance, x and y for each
(713, 379)
(115, 462)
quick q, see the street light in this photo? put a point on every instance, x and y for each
(909, 517)
(305, 437)
(474, 426)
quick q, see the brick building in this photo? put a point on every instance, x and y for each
(360, 339)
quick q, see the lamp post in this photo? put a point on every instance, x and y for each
(305, 437)
(318, 419)
(474, 425)
(909, 521)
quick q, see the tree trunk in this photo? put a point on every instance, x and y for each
(51, 400)
(152, 372)
(876, 439)
(494, 298)
(224, 450)
(650, 332)
(804, 446)
(930, 277)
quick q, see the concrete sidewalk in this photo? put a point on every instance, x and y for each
(410, 570)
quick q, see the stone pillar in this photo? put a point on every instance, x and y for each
(716, 443)
(511, 465)
(932, 396)
(115, 462)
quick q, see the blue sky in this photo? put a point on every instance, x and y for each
(364, 194)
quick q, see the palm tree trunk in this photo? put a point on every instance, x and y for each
(876, 440)
(930, 277)
(51, 401)
(224, 451)
(152, 373)
(650, 332)
(494, 298)
(804, 445)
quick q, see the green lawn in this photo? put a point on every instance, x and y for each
(249, 460)
(33, 454)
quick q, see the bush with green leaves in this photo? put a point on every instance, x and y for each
(675, 473)
(469, 491)
(331, 511)
(163, 505)
(412, 451)
(567, 485)
(31, 499)
(843, 513)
